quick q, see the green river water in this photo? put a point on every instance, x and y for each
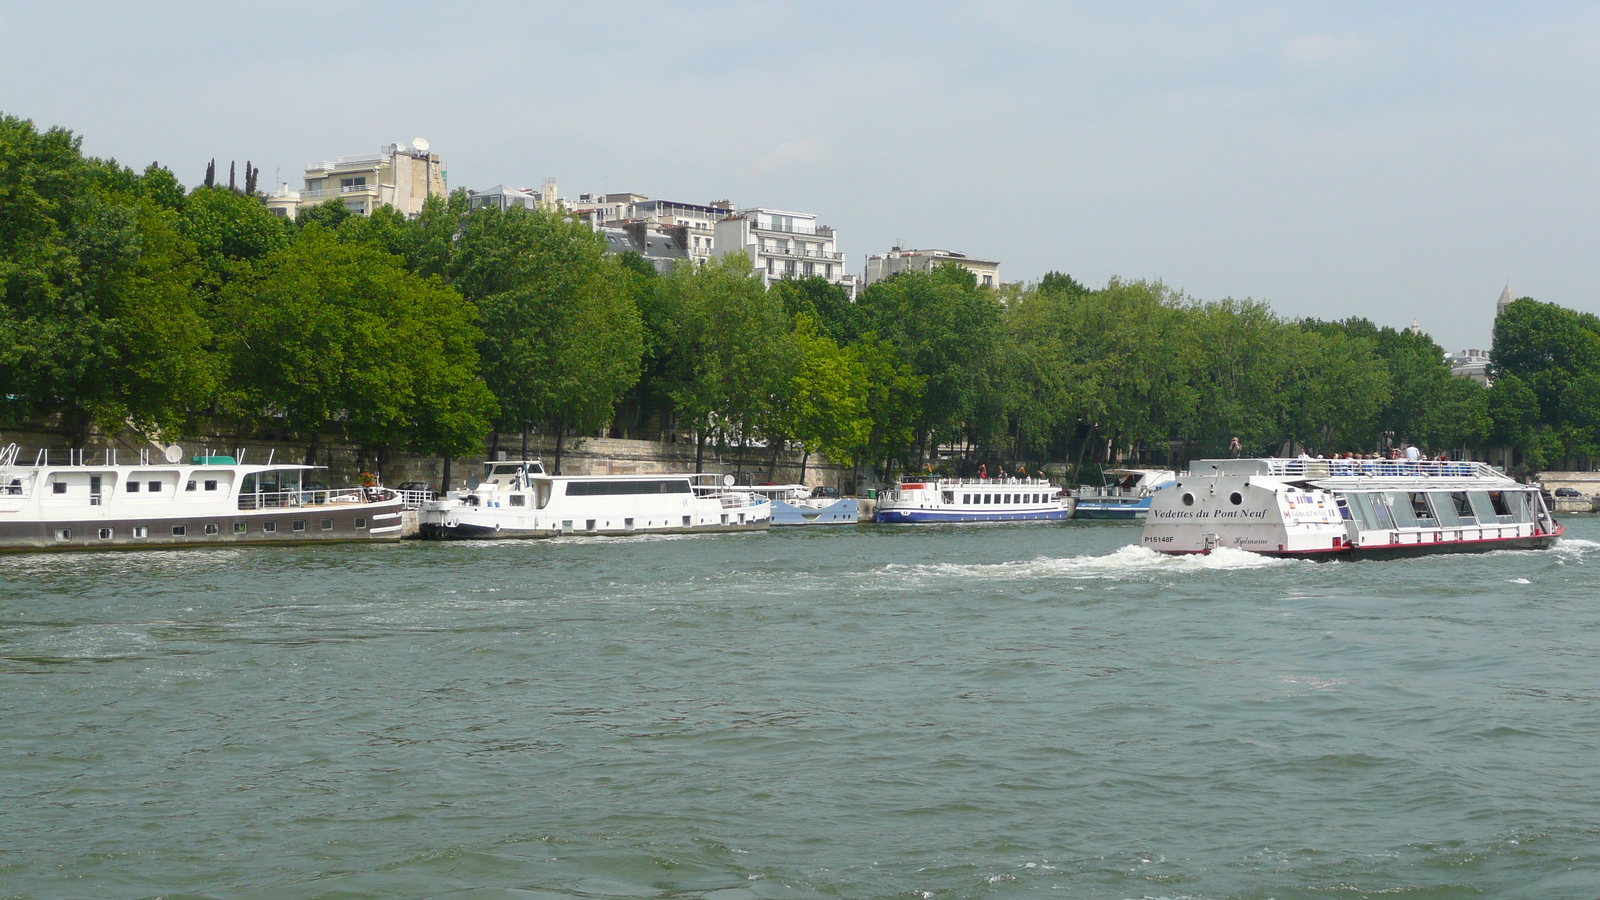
(919, 712)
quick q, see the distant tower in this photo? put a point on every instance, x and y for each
(1505, 300)
(1416, 327)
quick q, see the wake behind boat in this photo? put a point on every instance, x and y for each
(925, 500)
(1347, 508)
(517, 499)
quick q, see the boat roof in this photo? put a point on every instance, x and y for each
(1353, 472)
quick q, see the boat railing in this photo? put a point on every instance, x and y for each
(913, 483)
(1380, 468)
(293, 499)
(414, 499)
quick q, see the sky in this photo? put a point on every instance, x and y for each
(1397, 161)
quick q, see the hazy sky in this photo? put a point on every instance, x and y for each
(1397, 161)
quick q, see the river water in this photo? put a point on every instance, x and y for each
(920, 712)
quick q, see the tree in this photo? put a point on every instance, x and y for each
(97, 324)
(825, 404)
(561, 341)
(230, 231)
(324, 334)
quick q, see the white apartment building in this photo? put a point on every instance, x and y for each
(784, 244)
(699, 220)
(401, 177)
(879, 267)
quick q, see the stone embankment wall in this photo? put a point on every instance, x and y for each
(1587, 484)
(580, 456)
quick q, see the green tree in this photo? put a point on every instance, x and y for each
(826, 399)
(326, 334)
(562, 341)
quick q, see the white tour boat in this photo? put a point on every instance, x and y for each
(1347, 508)
(517, 499)
(793, 504)
(94, 502)
(924, 500)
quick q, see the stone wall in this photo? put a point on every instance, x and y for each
(580, 456)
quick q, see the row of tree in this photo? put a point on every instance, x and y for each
(129, 301)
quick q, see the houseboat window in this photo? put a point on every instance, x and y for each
(154, 486)
(107, 534)
(63, 534)
(211, 485)
(269, 527)
(542, 494)
(140, 531)
(1444, 509)
(211, 528)
(361, 522)
(299, 524)
(189, 486)
(1463, 508)
(606, 488)
(988, 498)
(59, 487)
(949, 497)
(179, 530)
(240, 528)
(133, 487)
(327, 524)
(1401, 509)
(519, 500)
(966, 499)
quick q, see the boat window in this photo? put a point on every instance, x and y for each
(133, 487)
(59, 487)
(1444, 509)
(269, 527)
(140, 531)
(543, 498)
(107, 534)
(1419, 509)
(1360, 506)
(299, 524)
(240, 528)
(327, 524)
(605, 488)
(1401, 509)
(1482, 507)
(505, 470)
(211, 528)
(211, 485)
(1520, 511)
(949, 497)
(966, 499)
(179, 530)
(189, 486)
(987, 498)
(519, 500)
(1463, 506)
(154, 486)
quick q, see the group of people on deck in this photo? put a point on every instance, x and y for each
(1409, 454)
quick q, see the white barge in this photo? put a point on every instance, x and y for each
(94, 503)
(928, 500)
(518, 500)
(1347, 508)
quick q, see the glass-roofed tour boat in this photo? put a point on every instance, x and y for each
(1347, 508)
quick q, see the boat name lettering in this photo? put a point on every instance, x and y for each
(1209, 514)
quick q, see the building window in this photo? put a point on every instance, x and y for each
(359, 181)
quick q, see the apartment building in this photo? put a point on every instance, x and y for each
(881, 266)
(698, 220)
(784, 244)
(401, 177)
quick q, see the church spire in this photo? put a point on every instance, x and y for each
(1506, 297)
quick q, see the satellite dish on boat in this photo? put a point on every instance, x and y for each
(727, 481)
(173, 453)
(420, 144)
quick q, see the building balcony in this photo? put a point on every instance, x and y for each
(343, 191)
(804, 254)
(817, 230)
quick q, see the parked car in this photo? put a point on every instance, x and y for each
(1568, 492)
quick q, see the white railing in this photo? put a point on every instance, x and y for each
(341, 190)
(907, 481)
(318, 497)
(414, 499)
(1380, 468)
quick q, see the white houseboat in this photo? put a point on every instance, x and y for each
(1347, 508)
(517, 499)
(86, 502)
(1125, 495)
(924, 500)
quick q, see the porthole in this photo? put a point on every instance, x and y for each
(1236, 498)
(1188, 499)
